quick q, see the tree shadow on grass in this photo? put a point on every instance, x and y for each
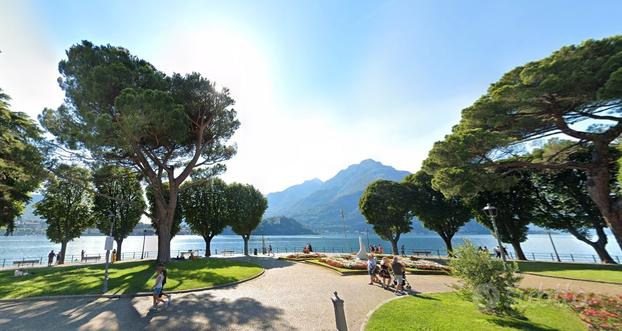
(520, 325)
(205, 312)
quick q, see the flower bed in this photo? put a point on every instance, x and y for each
(599, 312)
(303, 256)
(344, 262)
(426, 265)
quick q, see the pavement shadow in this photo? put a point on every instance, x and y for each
(68, 314)
(265, 262)
(206, 312)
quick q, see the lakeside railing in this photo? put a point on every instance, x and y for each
(220, 251)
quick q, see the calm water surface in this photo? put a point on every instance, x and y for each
(538, 245)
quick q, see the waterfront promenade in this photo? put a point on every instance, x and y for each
(288, 296)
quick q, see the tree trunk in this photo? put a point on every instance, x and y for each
(518, 250)
(246, 237)
(598, 188)
(599, 245)
(60, 258)
(164, 244)
(119, 243)
(447, 240)
(208, 243)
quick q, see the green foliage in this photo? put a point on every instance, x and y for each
(21, 163)
(66, 205)
(387, 207)
(246, 206)
(485, 280)
(533, 102)
(177, 217)
(438, 213)
(119, 194)
(120, 109)
(205, 208)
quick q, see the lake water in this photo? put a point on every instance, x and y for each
(537, 246)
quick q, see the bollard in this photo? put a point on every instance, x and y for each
(340, 314)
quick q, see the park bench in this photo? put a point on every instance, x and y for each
(186, 255)
(225, 252)
(23, 262)
(426, 253)
(95, 258)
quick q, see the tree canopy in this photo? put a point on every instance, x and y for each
(120, 198)
(387, 206)
(438, 213)
(66, 206)
(535, 101)
(246, 208)
(21, 162)
(121, 109)
(205, 208)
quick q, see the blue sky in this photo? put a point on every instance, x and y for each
(319, 84)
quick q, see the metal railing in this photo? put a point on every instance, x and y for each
(221, 251)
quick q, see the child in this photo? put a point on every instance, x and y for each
(158, 288)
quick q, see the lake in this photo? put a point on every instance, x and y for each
(537, 246)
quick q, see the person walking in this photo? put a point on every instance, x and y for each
(384, 272)
(398, 273)
(82, 253)
(371, 268)
(403, 250)
(158, 288)
(270, 250)
(114, 256)
(51, 258)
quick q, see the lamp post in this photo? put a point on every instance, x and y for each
(108, 247)
(142, 255)
(491, 212)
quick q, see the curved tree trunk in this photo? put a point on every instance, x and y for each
(60, 258)
(599, 245)
(518, 250)
(246, 237)
(208, 243)
(119, 243)
(447, 240)
(598, 188)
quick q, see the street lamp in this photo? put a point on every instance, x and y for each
(108, 248)
(491, 212)
(142, 255)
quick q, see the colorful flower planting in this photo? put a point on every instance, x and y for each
(344, 262)
(599, 312)
(303, 256)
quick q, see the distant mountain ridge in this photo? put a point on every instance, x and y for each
(318, 205)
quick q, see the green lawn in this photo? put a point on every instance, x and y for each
(600, 272)
(126, 277)
(447, 311)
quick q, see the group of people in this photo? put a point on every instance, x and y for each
(388, 271)
(376, 249)
(308, 249)
(497, 251)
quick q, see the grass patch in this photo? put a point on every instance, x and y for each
(447, 311)
(583, 271)
(343, 271)
(124, 277)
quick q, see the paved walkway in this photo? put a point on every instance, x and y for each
(289, 296)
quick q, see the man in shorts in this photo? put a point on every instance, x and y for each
(398, 273)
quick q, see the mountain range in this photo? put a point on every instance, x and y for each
(318, 205)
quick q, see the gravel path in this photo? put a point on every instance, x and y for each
(289, 296)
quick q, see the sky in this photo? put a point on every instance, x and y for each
(319, 85)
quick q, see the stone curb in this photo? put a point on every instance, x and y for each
(371, 312)
(130, 295)
(575, 279)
